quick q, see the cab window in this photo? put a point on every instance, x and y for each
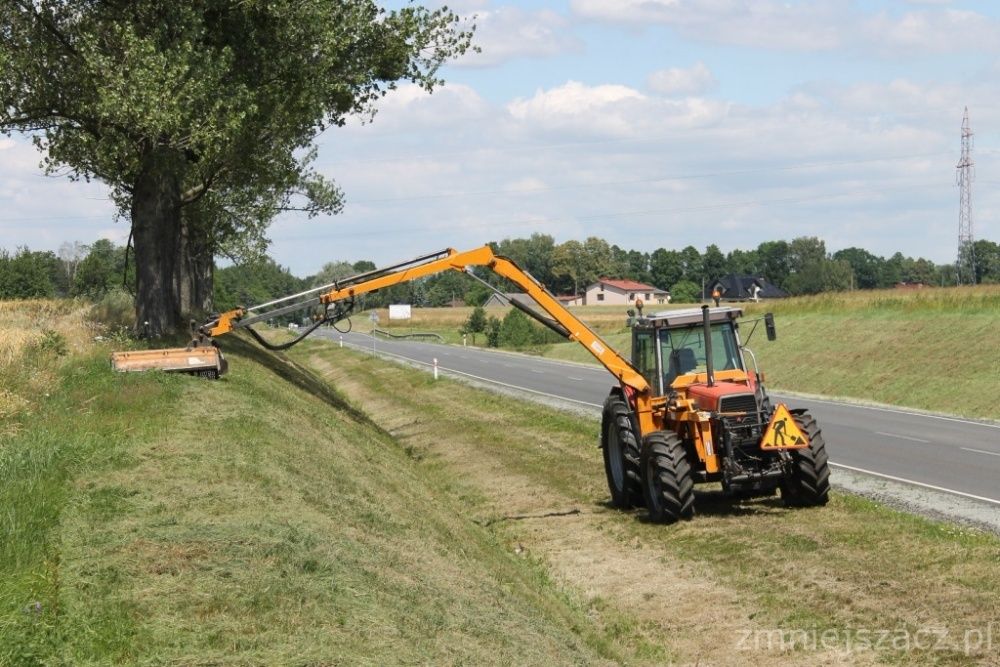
(644, 354)
(684, 350)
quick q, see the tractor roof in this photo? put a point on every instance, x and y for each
(686, 317)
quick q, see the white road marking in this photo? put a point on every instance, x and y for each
(570, 377)
(910, 481)
(488, 380)
(901, 437)
(897, 411)
(602, 371)
(980, 451)
(535, 370)
(865, 471)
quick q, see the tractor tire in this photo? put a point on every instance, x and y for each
(666, 477)
(809, 483)
(621, 454)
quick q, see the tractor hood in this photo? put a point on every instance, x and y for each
(707, 398)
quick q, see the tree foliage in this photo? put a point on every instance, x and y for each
(685, 291)
(476, 323)
(201, 116)
(713, 263)
(92, 271)
(666, 267)
(253, 283)
(25, 275)
(100, 271)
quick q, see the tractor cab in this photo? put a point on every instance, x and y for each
(672, 349)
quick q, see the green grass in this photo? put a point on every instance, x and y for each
(850, 565)
(260, 519)
(935, 349)
(268, 519)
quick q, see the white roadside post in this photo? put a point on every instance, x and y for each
(464, 344)
(374, 319)
(435, 368)
(341, 341)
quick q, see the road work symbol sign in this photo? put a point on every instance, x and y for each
(783, 432)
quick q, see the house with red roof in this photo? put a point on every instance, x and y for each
(615, 292)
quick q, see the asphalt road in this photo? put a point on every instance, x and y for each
(942, 453)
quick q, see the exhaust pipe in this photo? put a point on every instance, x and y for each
(709, 370)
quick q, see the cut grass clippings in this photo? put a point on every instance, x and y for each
(163, 519)
(853, 566)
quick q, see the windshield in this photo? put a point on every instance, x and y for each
(684, 350)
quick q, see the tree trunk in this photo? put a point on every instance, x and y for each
(173, 266)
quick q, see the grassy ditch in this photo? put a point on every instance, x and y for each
(851, 583)
(260, 519)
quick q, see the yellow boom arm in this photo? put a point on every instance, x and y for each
(461, 261)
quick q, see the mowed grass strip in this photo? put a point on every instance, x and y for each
(259, 519)
(862, 573)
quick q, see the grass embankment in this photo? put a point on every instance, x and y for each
(261, 519)
(935, 349)
(163, 519)
(932, 349)
(849, 583)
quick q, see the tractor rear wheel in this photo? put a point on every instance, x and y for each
(621, 454)
(809, 482)
(666, 476)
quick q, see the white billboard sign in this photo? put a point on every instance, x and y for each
(399, 312)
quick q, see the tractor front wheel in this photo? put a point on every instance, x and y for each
(666, 476)
(809, 482)
(621, 454)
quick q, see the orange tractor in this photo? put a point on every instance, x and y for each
(687, 408)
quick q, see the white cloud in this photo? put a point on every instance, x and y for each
(506, 33)
(852, 164)
(680, 81)
(932, 31)
(410, 105)
(41, 212)
(811, 26)
(610, 110)
(572, 99)
(824, 25)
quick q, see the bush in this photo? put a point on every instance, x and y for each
(476, 323)
(55, 342)
(516, 330)
(493, 331)
(114, 311)
(685, 292)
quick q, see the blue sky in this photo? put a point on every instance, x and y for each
(650, 123)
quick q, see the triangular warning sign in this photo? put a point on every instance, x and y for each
(783, 432)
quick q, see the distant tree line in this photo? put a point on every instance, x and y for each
(75, 270)
(800, 266)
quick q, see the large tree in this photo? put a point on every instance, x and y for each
(201, 116)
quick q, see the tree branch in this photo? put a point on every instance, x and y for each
(49, 26)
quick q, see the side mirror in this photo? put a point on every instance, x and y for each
(769, 326)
